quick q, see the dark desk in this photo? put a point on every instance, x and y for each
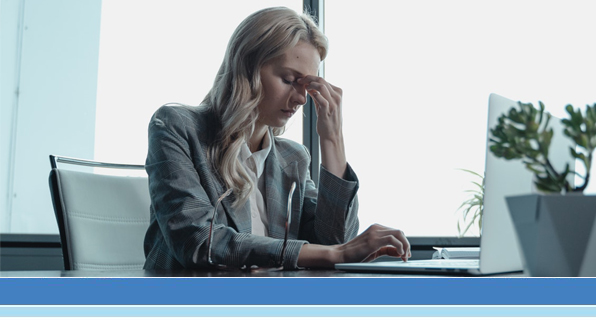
(217, 274)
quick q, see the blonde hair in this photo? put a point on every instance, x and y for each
(237, 90)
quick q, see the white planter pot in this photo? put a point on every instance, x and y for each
(556, 234)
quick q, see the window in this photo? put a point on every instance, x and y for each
(416, 77)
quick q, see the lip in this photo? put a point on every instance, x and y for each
(289, 112)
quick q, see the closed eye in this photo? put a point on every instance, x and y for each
(286, 81)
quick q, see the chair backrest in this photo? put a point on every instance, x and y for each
(102, 218)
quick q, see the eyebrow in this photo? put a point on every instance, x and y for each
(294, 71)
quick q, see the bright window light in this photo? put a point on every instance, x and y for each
(417, 76)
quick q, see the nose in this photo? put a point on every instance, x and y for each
(299, 94)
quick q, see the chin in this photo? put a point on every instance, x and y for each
(279, 124)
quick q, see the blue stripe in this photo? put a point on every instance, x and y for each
(294, 311)
(297, 291)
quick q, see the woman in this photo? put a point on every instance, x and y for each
(230, 142)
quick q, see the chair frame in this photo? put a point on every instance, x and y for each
(55, 192)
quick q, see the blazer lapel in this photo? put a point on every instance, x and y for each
(279, 176)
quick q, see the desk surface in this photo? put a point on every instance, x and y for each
(204, 273)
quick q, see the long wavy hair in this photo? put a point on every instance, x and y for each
(237, 89)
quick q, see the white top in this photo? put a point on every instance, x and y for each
(254, 163)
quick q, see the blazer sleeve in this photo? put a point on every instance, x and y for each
(183, 195)
(331, 212)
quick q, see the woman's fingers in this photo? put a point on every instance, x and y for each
(327, 99)
(319, 100)
(394, 244)
(391, 236)
(384, 251)
(377, 241)
(324, 94)
(400, 237)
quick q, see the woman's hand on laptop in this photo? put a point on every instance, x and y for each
(374, 242)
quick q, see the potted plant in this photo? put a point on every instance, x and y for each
(555, 228)
(470, 211)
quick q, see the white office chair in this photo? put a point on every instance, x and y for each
(102, 218)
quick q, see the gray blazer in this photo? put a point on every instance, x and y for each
(184, 190)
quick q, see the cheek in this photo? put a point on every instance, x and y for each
(274, 92)
(268, 89)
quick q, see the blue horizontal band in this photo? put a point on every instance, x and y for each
(298, 291)
(297, 311)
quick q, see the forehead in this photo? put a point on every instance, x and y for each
(303, 59)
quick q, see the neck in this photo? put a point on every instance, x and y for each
(256, 140)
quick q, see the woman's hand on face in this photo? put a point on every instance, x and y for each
(376, 241)
(327, 98)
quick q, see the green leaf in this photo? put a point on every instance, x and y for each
(573, 152)
(472, 172)
(471, 209)
(569, 109)
(583, 140)
(534, 170)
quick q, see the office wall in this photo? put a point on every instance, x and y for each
(50, 53)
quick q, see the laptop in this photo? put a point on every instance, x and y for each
(499, 250)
